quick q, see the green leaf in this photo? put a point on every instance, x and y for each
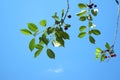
(89, 17)
(90, 24)
(96, 32)
(102, 58)
(32, 44)
(82, 28)
(82, 18)
(38, 46)
(56, 43)
(97, 56)
(82, 5)
(43, 23)
(98, 50)
(26, 32)
(55, 17)
(82, 13)
(67, 25)
(32, 27)
(91, 39)
(65, 35)
(50, 30)
(94, 12)
(62, 12)
(50, 54)
(60, 40)
(37, 53)
(82, 34)
(44, 39)
(107, 45)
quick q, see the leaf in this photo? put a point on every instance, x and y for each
(37, 53)
(82, 5)
(38, 46)
(82, 28)
(82, 18)
(65, 35)
(55, 17)
(60, 40)
(50, 54)
(107, 45)
(32, 27)
(102, 58)
(44, 39)
(96, 32)
(56, 43)
(97, 56)
(98, 50)
(50, 30)
(26, 32)
(82, 13)
(62, 12)
(91, 39)
(82, 34)
(67, 25)
(43, 23)
(32, 44)
(94, 12)
(89, 17)
(90, 24)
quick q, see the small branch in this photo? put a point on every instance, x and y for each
(67, 10)
(117, 25)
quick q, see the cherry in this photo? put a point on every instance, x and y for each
(113, 55)
(69, 16)
(65, 28)
(95, 6)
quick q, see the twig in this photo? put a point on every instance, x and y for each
(117, 25)
(66, 10)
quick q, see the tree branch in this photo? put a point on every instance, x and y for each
(117, 25)
(66, 10)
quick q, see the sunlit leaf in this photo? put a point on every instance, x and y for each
(82, 34)
(82, 13)
(96, 32)
(89, 17)
(26, 32)
(82, 5)
(107, 45)
(60, 40)
(82, 18)
(82, 28)
(56, 43)
(50, 54)
(43, 23)
(97, 56)
(91, 39)
(94, 12)
(32, 27)
(32, 44)
(98, 50)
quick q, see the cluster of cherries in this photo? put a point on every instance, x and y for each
(111, 53)
(92, 5)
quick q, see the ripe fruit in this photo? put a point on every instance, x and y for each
(65, 28)
(69, 16)
(113, 55)
(95, 6)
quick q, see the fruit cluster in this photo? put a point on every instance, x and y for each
(92, 5)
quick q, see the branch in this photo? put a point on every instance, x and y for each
(117, 23)
(67, 10)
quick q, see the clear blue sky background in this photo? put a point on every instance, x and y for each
(74, 62)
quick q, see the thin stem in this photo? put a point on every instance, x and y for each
(67, 10)
(117, 25)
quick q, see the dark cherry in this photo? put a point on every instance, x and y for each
(65, 28)
(69, 16)
(95, 6)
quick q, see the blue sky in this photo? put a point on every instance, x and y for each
(74, 62)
